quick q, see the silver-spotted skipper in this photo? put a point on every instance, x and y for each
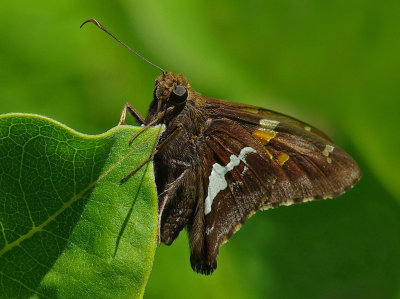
(219, 162)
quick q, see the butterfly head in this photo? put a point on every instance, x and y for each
(171, 90)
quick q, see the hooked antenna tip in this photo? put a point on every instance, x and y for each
(94, 21)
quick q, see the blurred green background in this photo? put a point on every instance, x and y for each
(334, 64)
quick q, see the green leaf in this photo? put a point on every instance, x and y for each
(69, 227)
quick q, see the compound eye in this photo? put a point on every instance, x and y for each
(178, 95)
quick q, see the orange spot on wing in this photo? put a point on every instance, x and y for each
(264, 135)
(283, 157)
(250, 109)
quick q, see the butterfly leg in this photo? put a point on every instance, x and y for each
(154, 121)
(135, 114)
(159, 148)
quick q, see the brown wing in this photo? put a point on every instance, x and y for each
(248, 115)
(256, 159)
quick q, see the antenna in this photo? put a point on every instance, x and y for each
(110, 34)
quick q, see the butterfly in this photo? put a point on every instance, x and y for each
(218, 162)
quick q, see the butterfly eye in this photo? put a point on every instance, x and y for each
(179, 94)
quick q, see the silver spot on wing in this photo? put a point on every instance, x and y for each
(217, 181)
(328, 149)
(269, 123)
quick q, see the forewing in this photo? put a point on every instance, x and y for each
(251, 116)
